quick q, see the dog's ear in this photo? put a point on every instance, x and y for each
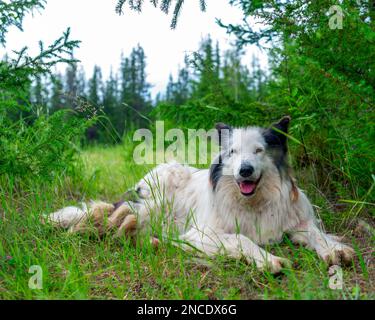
(276, 135)
(283, 124)
(224, 131)
(276, 139)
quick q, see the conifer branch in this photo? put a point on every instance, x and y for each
(165, 7)
(13, 12)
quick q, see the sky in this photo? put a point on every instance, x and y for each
(105, 34)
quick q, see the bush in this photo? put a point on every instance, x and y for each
(41, 149)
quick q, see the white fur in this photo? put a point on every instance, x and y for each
(68, 217)
(224, 220)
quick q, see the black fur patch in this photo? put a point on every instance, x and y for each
(277, 145)
(216, 172)
(223, 131)
(130, 195)
(118, 204)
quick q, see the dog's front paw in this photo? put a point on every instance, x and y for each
(273, 264)
(338, 254)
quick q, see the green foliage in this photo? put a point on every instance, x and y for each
(165, 6)
(324, 78)
(216, 91)
(13, 12)
(16, 74)
(33, 145)
(134, 94)
(315, 77)
(326, 88)
(202, 114)
(122, 101)
(78, 267)
(179, 92)
(42, 149)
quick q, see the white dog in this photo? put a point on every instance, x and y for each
(246, 199)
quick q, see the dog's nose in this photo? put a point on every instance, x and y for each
(246, 170)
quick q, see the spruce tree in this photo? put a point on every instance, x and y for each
(111, 108)
(170, 90)
(179, 92)
(81, 83)
(95, 88)
(57, 101)
(207, 79)
(135, 95)
(71, 86)
(39, 94)
(164, 5)
(236, 77)
(95, 101)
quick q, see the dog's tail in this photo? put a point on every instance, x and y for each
(67, 217)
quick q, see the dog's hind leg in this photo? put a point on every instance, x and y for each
(119, 214)
(96, 218)
(128, 227)
(66, 217)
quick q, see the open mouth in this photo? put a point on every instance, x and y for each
(248, 187)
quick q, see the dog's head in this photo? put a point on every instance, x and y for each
(247, 153)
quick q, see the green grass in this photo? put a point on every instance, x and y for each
(79, 267)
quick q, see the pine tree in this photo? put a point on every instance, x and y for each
(95, 88)
(57, 101)
(165, 6)
(184, 83)
(134, 94)
(81, 83)
(207, 79)
(217, 60)
(158, 98)
(39, 94)
(71, 86)
(259, 78)
(179, 92)
(124, 112)
(95, 100)
(170, 91)
(236, 77)
(111, 106)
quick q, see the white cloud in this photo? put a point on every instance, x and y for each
(104, 34)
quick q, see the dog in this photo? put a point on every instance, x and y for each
(247, 199)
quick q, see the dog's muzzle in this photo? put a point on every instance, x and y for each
(248, 187)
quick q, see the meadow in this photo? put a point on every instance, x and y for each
(81, 267)
(64, 139)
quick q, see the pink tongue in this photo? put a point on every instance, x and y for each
(247, 187)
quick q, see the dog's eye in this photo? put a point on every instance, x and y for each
(231, 151)
(258, 150)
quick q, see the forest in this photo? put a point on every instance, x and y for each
(66, 137)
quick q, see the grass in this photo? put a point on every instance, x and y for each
(78, 267)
